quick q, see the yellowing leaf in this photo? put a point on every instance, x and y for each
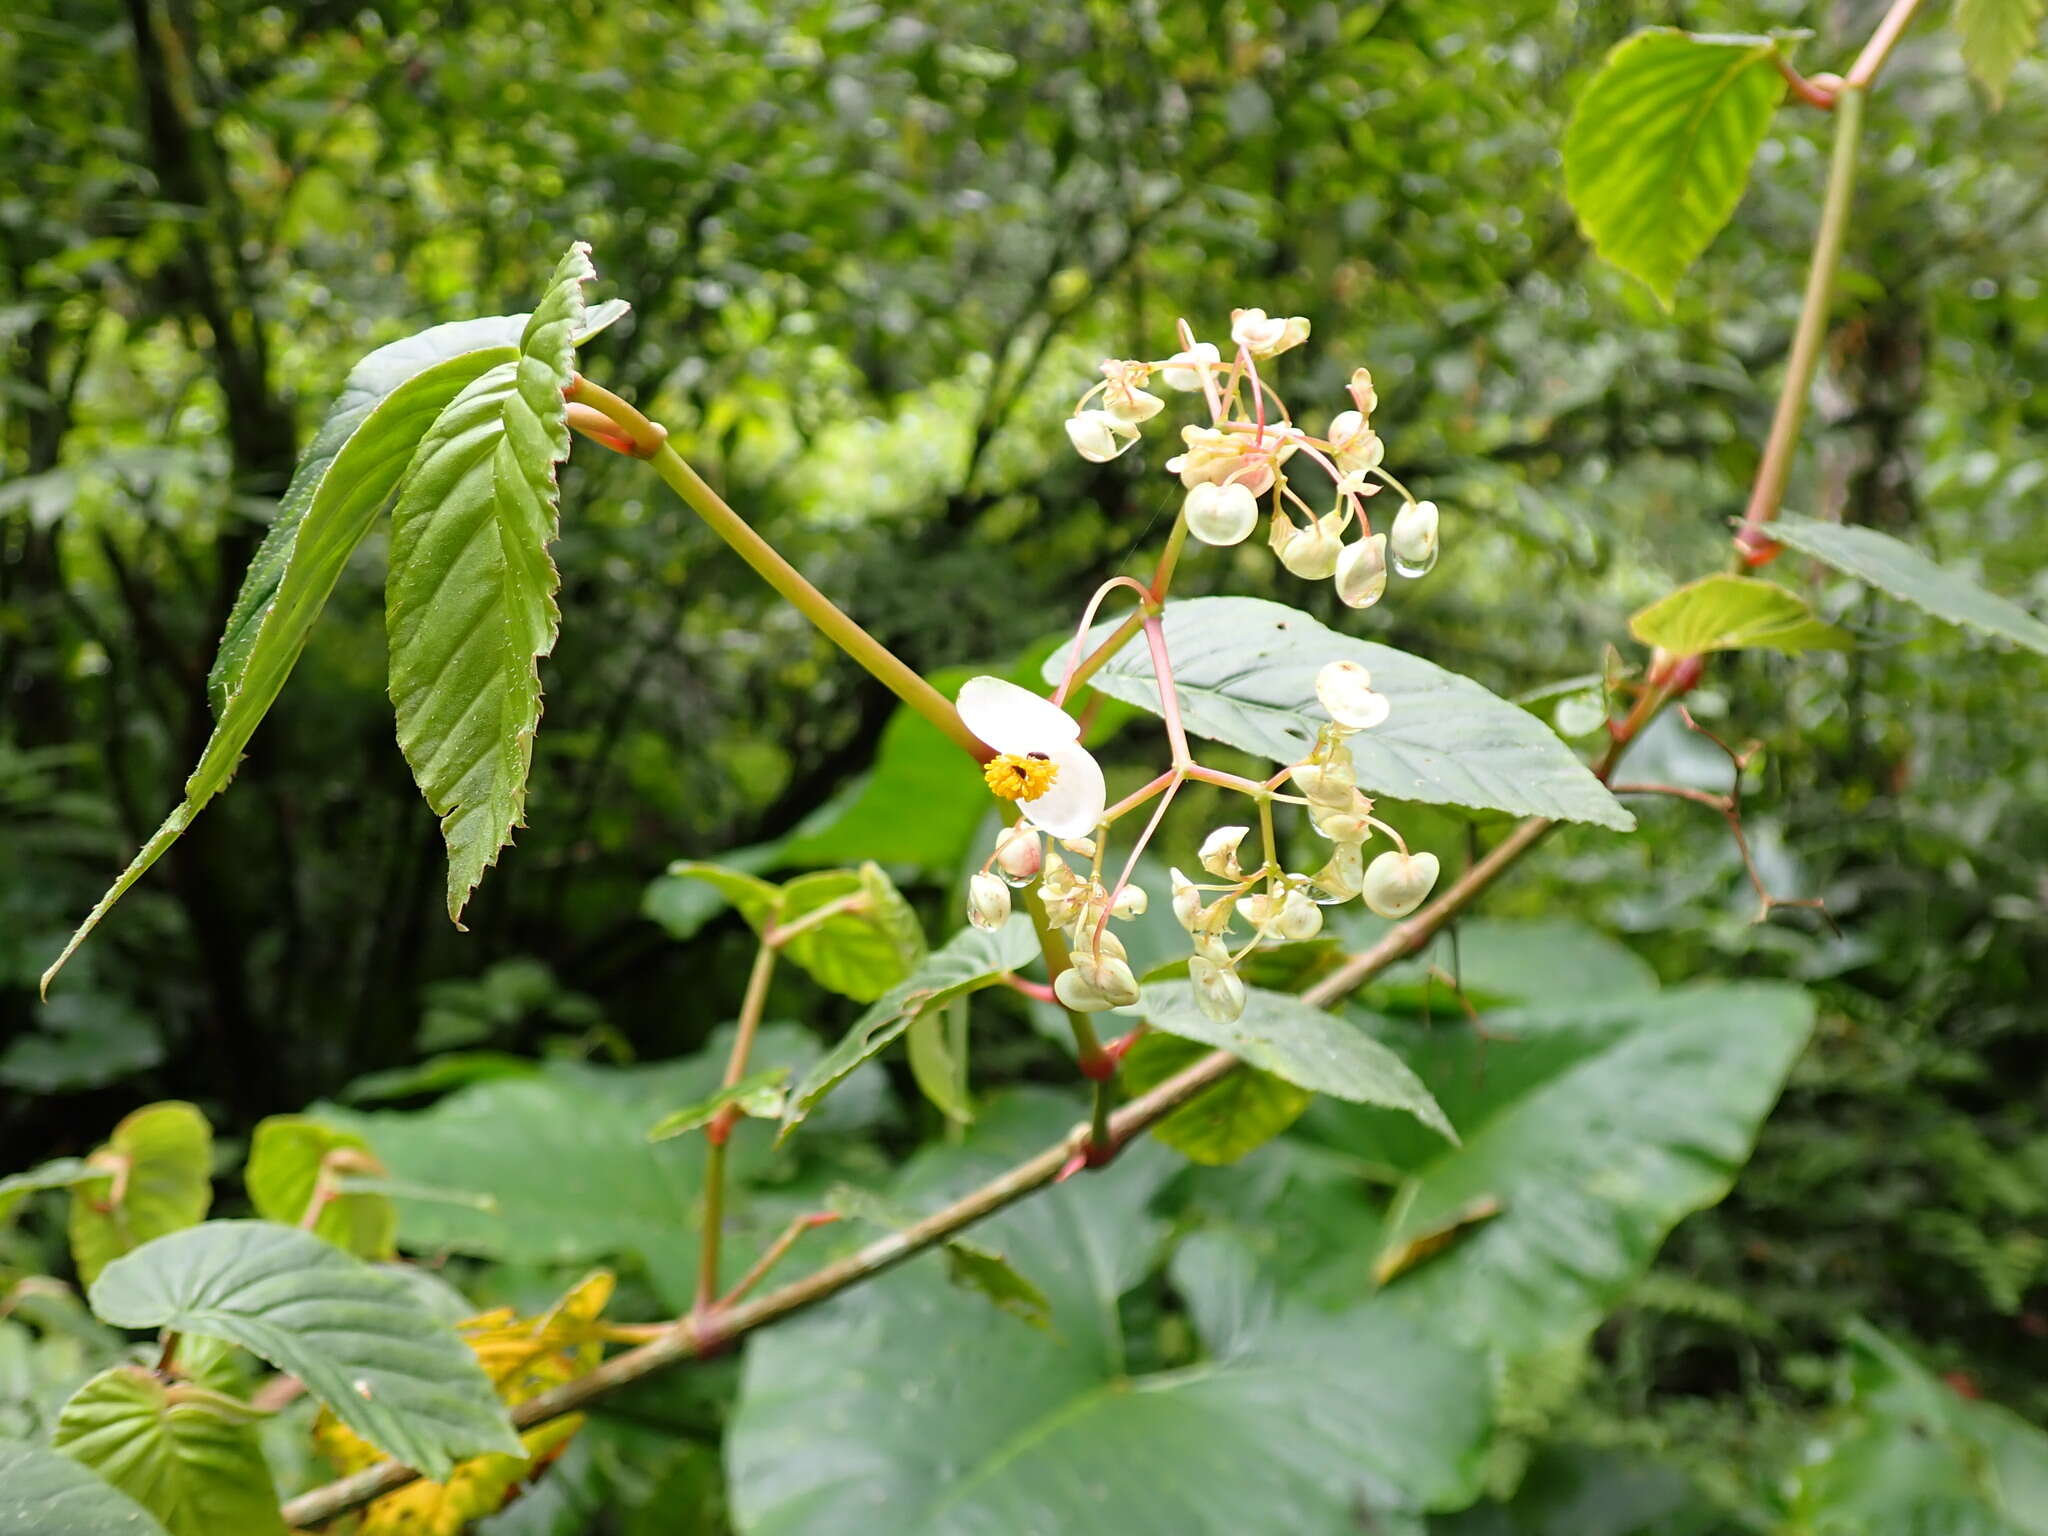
(1403, 1255)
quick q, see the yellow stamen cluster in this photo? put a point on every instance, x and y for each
(1016, 776)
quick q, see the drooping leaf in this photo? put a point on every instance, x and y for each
(970, 1264)
(1592, 1164)
(1901, 571)
(940, 1074)
(1307, 1046)
(295, 1160)
(358, 1338)
(159, 1167)
(187, 1454)
(965, 1425)
(1733, 613)
(1660, 143)
(1224, 1121)
(58, 1173)
(759, 1094)
(1245, 673)
(860, 952)
(971, 959)
(1997, 34)
(46, 1493)
(470, 599)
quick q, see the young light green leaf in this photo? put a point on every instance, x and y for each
(969, 1264)
(159, 1178)
(1901, 571)
(1660, 143)
(46, 1493)
(939, 1074)
(1245, 672)
(295, 1161)
(1223, 1122)
(971, 959)
(470, 599)
(358, 1338)
(188, 1455)
(1733, 613)
(1997, 34)
(859, 951)
(58, 1173)
(1308, 1046)
(759, 1094)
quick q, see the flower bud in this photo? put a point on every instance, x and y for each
(1395, 882)
(1329, 779)
(1344, 688)
(1130, 902)
(1221, 514)
(1218, 991)
(1185, 370)
(1348, 823)
(1362, 392)
(1019, 855)
(1187, 901)
(1362, 571)
(1079, 847)
(1101, 981)
(1261, 910)
(1098, 436)
(1312, 552)
(988, 901)
(1211, 947)
(1075, 991)
(1340, 879)
(1300, 918)
(1219, 852)
(1413, 540)
(1265, 335)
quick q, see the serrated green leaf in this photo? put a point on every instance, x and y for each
(1997, 34)
(159, 1167)
(860, 952)
(1733, 613)
(46, 1493)
(1224, 1121)
(971, 959)
(359, 1339)
(184, 1453)
(291, 1158)
(1659, 147)
(58, 1173)
(759, 1094)
(470, 599)
(1245, 671)
(1309, 1047)
(1901, 571)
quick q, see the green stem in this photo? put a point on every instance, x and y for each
(1771, 476)
(752, 1006)
(882, 663)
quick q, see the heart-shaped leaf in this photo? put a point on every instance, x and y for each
(358, 1338)
(295, 1162)
(1245, 673)
(859, 951)
(1733, 613)
(159, 1178)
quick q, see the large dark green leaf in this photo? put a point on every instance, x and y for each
(1308, 1046)
(359, 1338)
(1245, 670)
(1593, 1163)
(159, 1178)
(470, 600)
(187, 1454)
(46, 1493)
(971, 959)
(906, 1406)
(1660, 143)
(1901, 571)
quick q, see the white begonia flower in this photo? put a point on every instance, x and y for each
(1185, 370)
(1019, 854)
(1395, 882)
(1413, 539)
(1125, 398)
(1215, 456)
(1098, 436)
(1310, 553)
(988, 901)
(1040, 762)
(1265, 335)
(1362, 571)
(1219, 852)
(1221, 514)
(1218, 991)
(1354, 444)
(1344, 688)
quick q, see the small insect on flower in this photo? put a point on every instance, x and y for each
(1040, 762)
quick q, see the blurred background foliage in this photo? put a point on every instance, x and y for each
(874, 252)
